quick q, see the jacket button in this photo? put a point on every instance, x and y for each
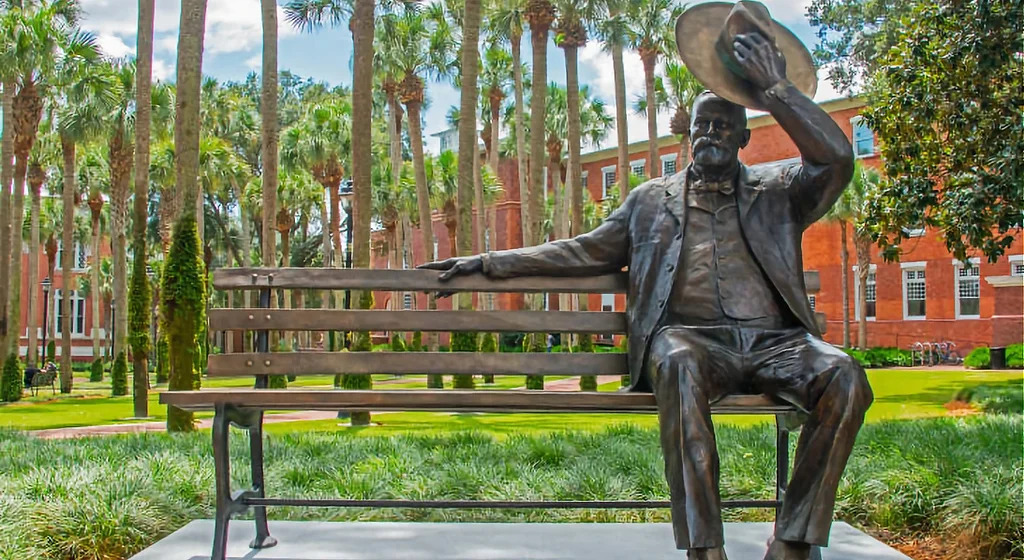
(661, 303)
(670, 267)
(678, 236)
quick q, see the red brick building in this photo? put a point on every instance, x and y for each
(926, 297)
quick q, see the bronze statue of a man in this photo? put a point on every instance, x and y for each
(717, 302)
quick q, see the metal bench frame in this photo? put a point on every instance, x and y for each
(245, 409)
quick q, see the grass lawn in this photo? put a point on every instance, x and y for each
(898, 394)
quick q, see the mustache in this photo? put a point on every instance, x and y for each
(705, 142)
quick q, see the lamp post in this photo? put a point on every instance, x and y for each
(46, 283)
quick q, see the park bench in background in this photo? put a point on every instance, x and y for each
(36, 378)
(245, 407)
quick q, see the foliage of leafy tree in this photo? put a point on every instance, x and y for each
(945, 90)
(11, 380)
(96, 371)
(464, 342)
(119, 376)
(183, 314)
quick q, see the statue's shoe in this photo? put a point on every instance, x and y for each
(785, 550)
(706, 554)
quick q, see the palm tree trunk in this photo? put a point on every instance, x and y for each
(422, 203)
(844, 264)
(6, 175)
(575, 175)
(468, 152)
(68, 242)
(862, 246)
(538, 101)
(121, 162)
(33, 269)
(268, 128)
(181, 339)
(652, 118)
(495, 135)
(94, 287)
(362, 25)
(621, 125)
(140, 311)
(395, 136)
(479, 216)
(524, 185)
(17, 215)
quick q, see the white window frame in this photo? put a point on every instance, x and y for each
(1015, 261)
(914, 232)
(78, 247)
(957, 265)
(77, 306)
(904, 267)
(872, 269)
(813, 300)
(669, 158)
(583, 180)
(854, 123)
(638, 163)
(604, 180)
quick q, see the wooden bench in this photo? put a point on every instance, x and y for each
(245, 408)
(36, 378)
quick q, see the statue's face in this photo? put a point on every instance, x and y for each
(718, 129)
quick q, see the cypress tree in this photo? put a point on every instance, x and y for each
(96, 370)
(12, 381)
(119, 376)
(464, 342)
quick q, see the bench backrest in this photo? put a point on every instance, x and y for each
(261, 319)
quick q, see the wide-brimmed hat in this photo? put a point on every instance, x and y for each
(704, 37)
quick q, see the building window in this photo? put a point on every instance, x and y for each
(863, 138)
(968, 288)
(914, 292)
(668, 167)
(77, 313)
(583, 180)
(607, 304)
(871, 295)
(79, 255)
(637, 168)
(407, 301)
(813, 300)
(1016, 265)
(607, 181)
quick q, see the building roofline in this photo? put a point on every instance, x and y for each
(755, 121)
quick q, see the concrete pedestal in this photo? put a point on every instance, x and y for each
(488, 541)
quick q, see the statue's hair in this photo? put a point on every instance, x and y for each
(739, 109)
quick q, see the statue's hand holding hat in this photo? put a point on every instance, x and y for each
(738, 51)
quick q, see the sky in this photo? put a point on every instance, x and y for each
(233, 49)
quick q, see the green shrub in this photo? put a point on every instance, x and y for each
(979, 358)
(361, 342)
(880, 357)
(417, 342)
(489, 345)
(997, 398)
(464, 342)
(12, 380)
(1015, 356)
(397, 342)
(51, 351)
(535, 342)
(183, 315)
(119, 376)
(139, 302)
(163, 365)
(96, 370)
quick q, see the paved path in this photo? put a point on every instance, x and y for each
(569, 384)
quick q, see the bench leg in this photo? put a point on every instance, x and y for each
(263, 538)
(222, 474)
(781, 460)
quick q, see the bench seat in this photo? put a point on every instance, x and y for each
(450, 401)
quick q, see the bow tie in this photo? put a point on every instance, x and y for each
(724, 187)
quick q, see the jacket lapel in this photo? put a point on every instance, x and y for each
(675, 196)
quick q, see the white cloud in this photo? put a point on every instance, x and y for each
(112, 46)
(255, 62)
(161, 70)
(231, 25)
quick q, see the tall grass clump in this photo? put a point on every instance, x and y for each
(955, 479)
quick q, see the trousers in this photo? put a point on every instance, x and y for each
(692, 367)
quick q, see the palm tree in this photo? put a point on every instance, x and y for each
(506, 22)
(444, 195)
(183, 288)
(650, 33)
(139, 310)
(612, 28)
(42, 154)
(674, 92)
(388, 45)
(268, 127)
(93, 174)
(863, 188)
(38, 37)
(539, 14)
(121, 154)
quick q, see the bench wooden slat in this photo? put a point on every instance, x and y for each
(452, 401)
(342, 320)
(406, 280)
(406, 363)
